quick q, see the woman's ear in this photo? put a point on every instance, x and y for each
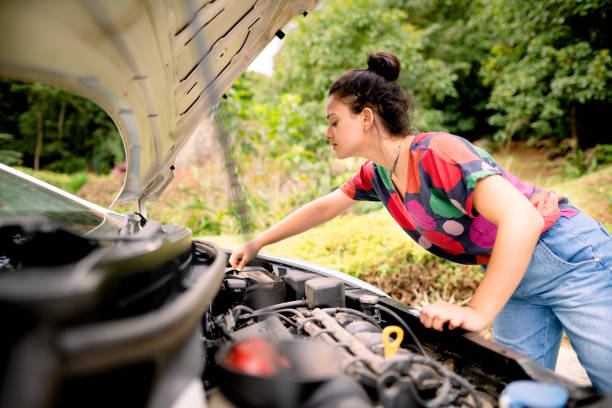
(367, 118)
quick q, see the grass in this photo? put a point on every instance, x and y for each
(71, 183)
(370, 246)
(592, 194)
(374, 248)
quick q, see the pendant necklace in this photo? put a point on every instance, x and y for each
(399, 149)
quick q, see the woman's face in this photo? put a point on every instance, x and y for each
(345, 131)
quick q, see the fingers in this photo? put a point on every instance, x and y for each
(238, 259)
(244, 253)
(241, 256)
(429, 314)
(456, 321)
(233, 260)
(242, 264)
(438, 322)
(434, 316)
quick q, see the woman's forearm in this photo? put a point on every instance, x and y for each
(514, 245)
(310, 215)
(519, 226)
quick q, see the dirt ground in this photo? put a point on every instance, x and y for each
(568, 365)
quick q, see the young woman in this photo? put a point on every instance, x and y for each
(548, 265)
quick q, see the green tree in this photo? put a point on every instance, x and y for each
(450, 35)
(341, 34)
(9, 156)
(272, 128)
(549, 67)
(56, 130)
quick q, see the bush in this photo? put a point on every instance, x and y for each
(67, 182)
(9, 156)
(374, 248)
(69, 165)
(579, 162)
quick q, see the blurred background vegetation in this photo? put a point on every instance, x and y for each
(529, 81)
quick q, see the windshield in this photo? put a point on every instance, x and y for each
(20, 197)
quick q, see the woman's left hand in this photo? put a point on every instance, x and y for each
(434, 316)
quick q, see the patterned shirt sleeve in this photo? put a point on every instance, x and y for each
(453, 166)
(359, 186)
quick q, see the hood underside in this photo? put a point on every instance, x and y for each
(157, 67)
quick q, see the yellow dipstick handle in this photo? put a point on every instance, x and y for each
(391, 346)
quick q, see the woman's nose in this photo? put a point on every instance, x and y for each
(328, 134)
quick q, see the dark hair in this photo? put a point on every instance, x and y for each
(377, 89)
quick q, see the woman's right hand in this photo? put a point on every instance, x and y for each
(312, 214)
(242, 254)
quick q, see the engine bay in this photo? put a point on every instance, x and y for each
(271, 306)
(156, 314)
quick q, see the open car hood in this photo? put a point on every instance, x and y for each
(157, 67)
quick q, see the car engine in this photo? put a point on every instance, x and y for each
(275, 305)
(145, 319)
(410, 378)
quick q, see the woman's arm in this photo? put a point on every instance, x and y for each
(519, 227)
(312, 214)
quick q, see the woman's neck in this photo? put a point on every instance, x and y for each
(389, 152)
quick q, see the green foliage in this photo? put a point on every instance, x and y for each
(579, 162)
(8, 156)
(202, 219)
(275, 126)
(272, 141)
(340, 35)
(591, 193)
(374, 248)
(56, 130)
(451, 35)
(545, 59)
(357, 245)
(71, 183)
(475, 68)
(602, 155)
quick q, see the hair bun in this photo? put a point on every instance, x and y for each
(384, 64)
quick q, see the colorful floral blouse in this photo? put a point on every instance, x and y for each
(437, 208)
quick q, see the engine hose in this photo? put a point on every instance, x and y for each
(268, 313)
(442, 394)
(285, 305)
(355, 361)
(240, 308)
(404, 326)
(300, 328)
(426, 360)
(334, 310)
(446, 373)
(294, 311)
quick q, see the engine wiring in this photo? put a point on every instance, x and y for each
(442, 398)
(280, 316)
(368, 367)
(354, 312)
(404, 326)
